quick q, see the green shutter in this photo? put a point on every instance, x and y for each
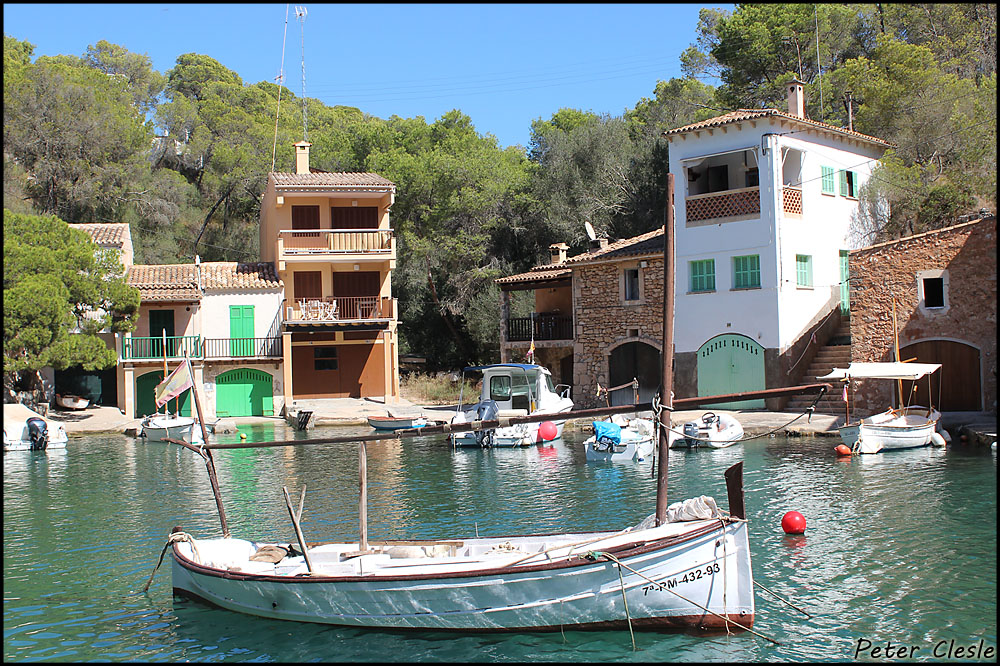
(845, 292)
(746, 272)
(703, 275)
(828, 187)
(803, 270)
(241, 330)
(843, 183)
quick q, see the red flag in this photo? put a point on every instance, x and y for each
(845, 392)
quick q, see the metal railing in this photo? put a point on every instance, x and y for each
(323, 241)
(341, 308)
(541, 327)
(269, 347)
(155, 348)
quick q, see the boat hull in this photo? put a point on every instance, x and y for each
(391, 423)
(17, 431)
(182, 428)
(890, 431)
(72, 402)
(722, 432)
(522, 434)
(705, 562)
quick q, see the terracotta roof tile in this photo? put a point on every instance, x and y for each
(165, 282)
(647, 243)
(233, 275)
(105, 233)
(752, 114)
(537, 274)
(340, 180)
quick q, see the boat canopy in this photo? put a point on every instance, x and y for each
(883, 371)
(523, 366)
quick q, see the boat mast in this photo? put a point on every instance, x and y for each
(895, 338)
(667, 381)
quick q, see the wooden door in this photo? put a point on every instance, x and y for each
(241, 330)
(355, 217)
(634, 360)
(307, 284)
(161, 322)
(957, 386)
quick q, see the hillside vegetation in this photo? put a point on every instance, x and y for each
(182, 156)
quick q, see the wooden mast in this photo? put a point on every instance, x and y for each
(667, 381)
(895, 339)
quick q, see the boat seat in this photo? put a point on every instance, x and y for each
(506, 413)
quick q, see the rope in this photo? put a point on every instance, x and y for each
(785, 600)
(594, 554)
(628, 616)
(176, 537)
(812, 339)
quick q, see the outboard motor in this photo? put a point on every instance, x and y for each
(486, 411)
(691, 433)
(38, 433)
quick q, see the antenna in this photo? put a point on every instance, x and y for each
(281, 80)
(300, 14)
(590, 230)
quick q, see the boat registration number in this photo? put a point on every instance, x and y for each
(689, 577)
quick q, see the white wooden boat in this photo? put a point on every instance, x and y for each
(508, 390)
(679, 575)
(621, 440)
(72, 402)
(893, 429)
(160, 427)
(397, 422)
(716, 431)
(26, 430)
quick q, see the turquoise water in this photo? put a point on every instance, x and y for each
(900, 547)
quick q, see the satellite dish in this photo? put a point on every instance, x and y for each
(590, 230)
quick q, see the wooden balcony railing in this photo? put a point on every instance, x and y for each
(153, 348)
(330, 241)
(791, 200)
(341, 308)
(731, 203)
(543, 326)
(242, 347)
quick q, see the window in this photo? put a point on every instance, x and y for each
(849, 184)
(325, 358)
(828, 184)
(631, 284)
(500, 388)
(752, 177)
(746, 272)
(305, 217)
(934, 292)
(703, 275)
(718, 178)
(803, 270)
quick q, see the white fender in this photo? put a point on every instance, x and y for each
(937, 439)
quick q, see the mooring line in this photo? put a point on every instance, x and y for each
(785, 600)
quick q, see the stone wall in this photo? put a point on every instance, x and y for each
(889, 271)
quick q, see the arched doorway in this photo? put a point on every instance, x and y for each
(958, 384)
(636, 360)
(145, 401)
(731, 363)
(244, 392)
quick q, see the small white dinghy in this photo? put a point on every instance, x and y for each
(26, 430)
(716, 431)
(160, 427)
(621, 439)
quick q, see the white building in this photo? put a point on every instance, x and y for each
(763, 201)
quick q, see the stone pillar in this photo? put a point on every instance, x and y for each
(286, 368)
(126, 391)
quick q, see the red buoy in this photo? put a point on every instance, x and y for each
(843, 450)
(793, 522)
(547, 431)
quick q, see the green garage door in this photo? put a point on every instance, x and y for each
(244, 392)
(731, 364)
(145, 401)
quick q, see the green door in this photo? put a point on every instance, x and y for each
(241, 330)
(845, 291)
(145, 400)
(244, 392)
(161, 322)
(731, 363)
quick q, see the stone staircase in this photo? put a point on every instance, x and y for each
(836, 354)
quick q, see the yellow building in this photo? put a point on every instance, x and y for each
(328, 236)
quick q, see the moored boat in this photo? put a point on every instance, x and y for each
(716, 431)
(72, 401)
(896, 428)
(26, 430)
(160, 427)
(510, 390)
(397, 422)
(621, 439)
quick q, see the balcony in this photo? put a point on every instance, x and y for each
(341, 309)
(193, 346)
(743, 203)
(175, 347)
(335, 245)
(541, 326)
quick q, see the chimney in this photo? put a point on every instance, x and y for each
(796, 98)
(598, 243)
(302, 157)
(557, 253)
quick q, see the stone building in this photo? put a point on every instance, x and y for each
(942, 285)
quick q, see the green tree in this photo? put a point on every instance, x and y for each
(144, 82)
(60, 290)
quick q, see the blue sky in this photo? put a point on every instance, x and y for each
(503, 65)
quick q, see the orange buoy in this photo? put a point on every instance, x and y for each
(843, 450)
(793, 522)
